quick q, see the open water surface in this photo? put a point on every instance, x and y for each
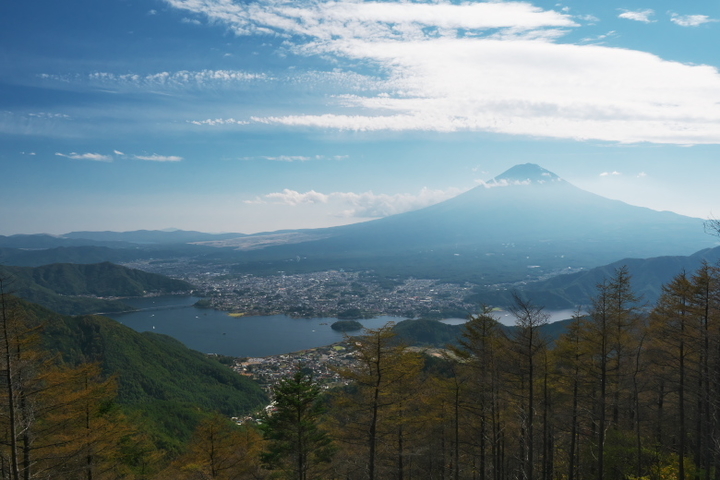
(212, 331)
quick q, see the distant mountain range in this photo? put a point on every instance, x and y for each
(156, 237)
(112, 239)
(524, 224)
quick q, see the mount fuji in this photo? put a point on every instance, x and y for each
(526, 222)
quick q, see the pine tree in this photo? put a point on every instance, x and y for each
(296, 443)
(479, 350)
(527, 344)
(370, 411)
(219, 450)
(56, 420)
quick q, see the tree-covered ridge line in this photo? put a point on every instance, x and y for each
(160, 379)
(74, 289)
(156, 390)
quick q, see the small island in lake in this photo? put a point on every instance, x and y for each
(346, 326)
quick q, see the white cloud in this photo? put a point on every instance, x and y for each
(608, 174)
(642, 175)
(363, 205)
(690, 20)
(109, 158)
(370, 205)
(638, 16)
(491, 66)
(179, 79)
(296, 158)
(371, 20)
(288, 158)
(48, 115)
(291, 197)
(598, 39)
(96, 157)
(589, 18)
(504, 183)
(219, 121)
(158, 158)
(532, 88)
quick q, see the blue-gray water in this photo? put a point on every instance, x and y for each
(211, 331)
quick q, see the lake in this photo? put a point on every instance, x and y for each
(212, 331)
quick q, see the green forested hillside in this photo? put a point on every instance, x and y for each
(167, 385)
(66, 288)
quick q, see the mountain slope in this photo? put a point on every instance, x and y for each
(525, 222)
(159, 379)
(528, 205)
(648, 277)
(52, 241)
(112, 239)
(65, 287)
(83, 254)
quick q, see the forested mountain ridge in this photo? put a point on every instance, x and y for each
(66, 287)
(167, 385)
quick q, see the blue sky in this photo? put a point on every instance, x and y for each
(247, 116)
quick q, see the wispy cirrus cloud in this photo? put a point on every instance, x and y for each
(361, 205)
(296, 158)
(690, 20)
(490, 67)
(219, 121)
(158, 158)
(599, 39)
(638, 15)
(100, 157)
(371, 20)
(179, 79)
(95, 157)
